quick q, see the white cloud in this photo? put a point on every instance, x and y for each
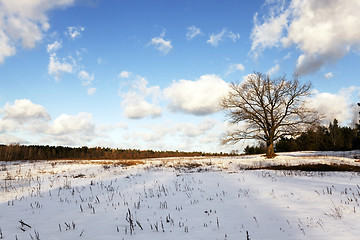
(7, 48)
(135, 101)
(273, 70)
(240, 67)
(24, 22)
(91, 91)
(310, 63)
(332, 106)
(57, 67)
(11, 139)
(267, 34)
(24, 110)
(197, 134)
(71, 130)
(135, 107)
(67, 124)
(53, 47)
(192, 130)
(124, 74)
(198, 97)
(325, 31)
(23, 115)
(27, 122)
(111, 127)
(216, 38)
(75, 32)
(169, 135)
(160, 44)
(233, 36)
(329, 75)
(192, 32)
(157, 133)
(287, 56)
(234, 67)
(86, 77)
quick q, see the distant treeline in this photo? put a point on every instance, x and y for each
(35, 152)
(320, 138)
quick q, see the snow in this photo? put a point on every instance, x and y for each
(180, 198)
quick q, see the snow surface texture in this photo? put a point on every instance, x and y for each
(180, 198)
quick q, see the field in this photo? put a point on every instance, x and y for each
(181, 198)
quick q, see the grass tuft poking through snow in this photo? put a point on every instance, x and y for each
(183, 198)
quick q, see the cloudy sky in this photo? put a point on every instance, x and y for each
(148, 74)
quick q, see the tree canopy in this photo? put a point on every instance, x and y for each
(323, 138)
(271, 108)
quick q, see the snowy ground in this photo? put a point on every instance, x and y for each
(178, 198)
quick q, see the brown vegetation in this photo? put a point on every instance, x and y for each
(317, 167)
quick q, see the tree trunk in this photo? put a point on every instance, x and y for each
(270, 149)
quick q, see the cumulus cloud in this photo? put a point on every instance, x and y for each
(26, 122)
(135, 101)
(124, 74)
(111, 127)
(192, 32)
(7, 48)
(53, 47)
(86, 77)
(332, 106)
(67, 124)
(58, 67)
(74, 32)
(71, 130)
(136, 107)
(184, 136)
(234, 68)
(195, 130)
(23, 115)
(273, 70)
(11, 139)
(190, 135)
(24, 110)
(325, 31)
(198, 97)
(268, 33)
(24, 22)
(161, 44)
(224, 34)
(329, 75)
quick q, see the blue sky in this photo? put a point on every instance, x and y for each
(148, 74)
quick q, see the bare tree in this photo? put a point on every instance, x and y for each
(270, 108)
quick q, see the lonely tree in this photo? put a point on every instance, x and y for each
(271, 108)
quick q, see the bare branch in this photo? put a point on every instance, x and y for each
(271, 108)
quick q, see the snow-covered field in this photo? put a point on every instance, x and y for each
(180, 198)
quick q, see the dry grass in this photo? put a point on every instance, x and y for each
(317, 167)
(123, 163)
